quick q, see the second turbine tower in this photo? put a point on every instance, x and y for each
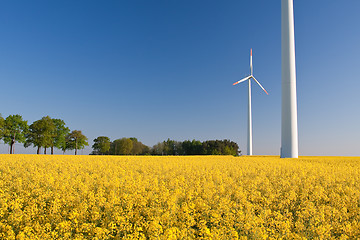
(248, 78)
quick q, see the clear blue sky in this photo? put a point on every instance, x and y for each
(164, 69)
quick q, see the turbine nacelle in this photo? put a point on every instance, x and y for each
(249, 78)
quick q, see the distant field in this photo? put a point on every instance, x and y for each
(198, 197)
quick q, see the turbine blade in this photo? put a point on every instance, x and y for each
(260, 85)
(242, 80)
(251, 62)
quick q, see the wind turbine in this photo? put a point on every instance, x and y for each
(248, 78)
(289, 126)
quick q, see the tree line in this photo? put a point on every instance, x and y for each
(49, 133)
(131, 146)
(46, 133)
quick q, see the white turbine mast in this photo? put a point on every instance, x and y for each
(248, 78)
(289, 126)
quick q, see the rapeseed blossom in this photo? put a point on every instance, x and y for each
(179, 197)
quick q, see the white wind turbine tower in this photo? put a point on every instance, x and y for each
(248, 78)
(289, 126)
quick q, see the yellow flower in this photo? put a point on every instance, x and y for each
(179, 197)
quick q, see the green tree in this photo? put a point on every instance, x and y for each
(158, 149)
(172, 147)
(14, 130)
(220, 147)
(101, 145)
(168, 147)
(60, 133)
(33, 137)
(66, 145)
(138, 147)
(49, 132)
(40, 134)
(193, 147)
(122, 146)
(76, 140)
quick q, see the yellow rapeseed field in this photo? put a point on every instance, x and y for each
(197, 197)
